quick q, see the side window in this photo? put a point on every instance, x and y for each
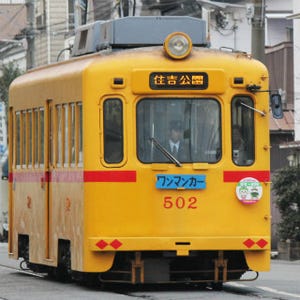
(35, 134)
(30, 140)
(113, 131)
(80, 132)
(24, 139)
(36, 137)
(18, 138)
(59, 134)
(242, 131)
(41, 136)
(66, 135)
(73, 134)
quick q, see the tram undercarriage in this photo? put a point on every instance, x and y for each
(148, 267)
(166, 267)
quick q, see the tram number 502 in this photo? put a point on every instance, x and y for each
(180, 202)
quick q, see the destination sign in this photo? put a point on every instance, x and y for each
(178, 81)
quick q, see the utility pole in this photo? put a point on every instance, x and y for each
(30, 61)
(123, 8)
(258, 30)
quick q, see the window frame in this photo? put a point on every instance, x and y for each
(192, 159)
(244, 131)
(121, 151)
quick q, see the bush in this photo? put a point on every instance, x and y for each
(286, 185)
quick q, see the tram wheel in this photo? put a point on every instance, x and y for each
(217, 286)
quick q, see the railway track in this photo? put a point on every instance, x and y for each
(23, 271)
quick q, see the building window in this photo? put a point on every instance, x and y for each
(71, 8)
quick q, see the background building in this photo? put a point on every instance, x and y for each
(3, 130)
(12, 23)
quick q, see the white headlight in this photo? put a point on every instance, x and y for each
(178, 45)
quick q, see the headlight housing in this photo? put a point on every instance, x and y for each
(178, 45)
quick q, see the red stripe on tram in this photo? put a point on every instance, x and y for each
(236, 176)
(110, 176)
(73, 176)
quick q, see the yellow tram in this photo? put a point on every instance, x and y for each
(94, 186)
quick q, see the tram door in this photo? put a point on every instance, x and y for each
(29, 192)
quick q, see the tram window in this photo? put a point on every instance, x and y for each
(66, 135)
(195, 122)
(59, 136)
(80, 133)
(51, 137)
(36, 137)
(242, 131)
(41, 137)
(113, 131)
(30, 141)
(23, 138)
(18, 139)
(73, 134)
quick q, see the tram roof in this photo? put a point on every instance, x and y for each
(136, 32)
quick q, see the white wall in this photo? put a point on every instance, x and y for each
(276, 25)
(279, 5)
(277, 29)
(236, 34)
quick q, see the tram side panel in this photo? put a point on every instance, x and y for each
(46, 204)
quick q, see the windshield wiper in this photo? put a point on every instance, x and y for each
(262, 113)
(165, 152)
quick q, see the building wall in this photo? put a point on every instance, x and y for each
(49, 40)
(59, 20)
(278, 30)
(297, 69)
(3, 131)
(12, 1)
(280, 62)
(236, 34)
(41, 46)
(100, 9)
(279, 156)
(279, 5)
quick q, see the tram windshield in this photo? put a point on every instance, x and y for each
(183, 130)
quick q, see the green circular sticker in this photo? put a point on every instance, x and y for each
(249, 190)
